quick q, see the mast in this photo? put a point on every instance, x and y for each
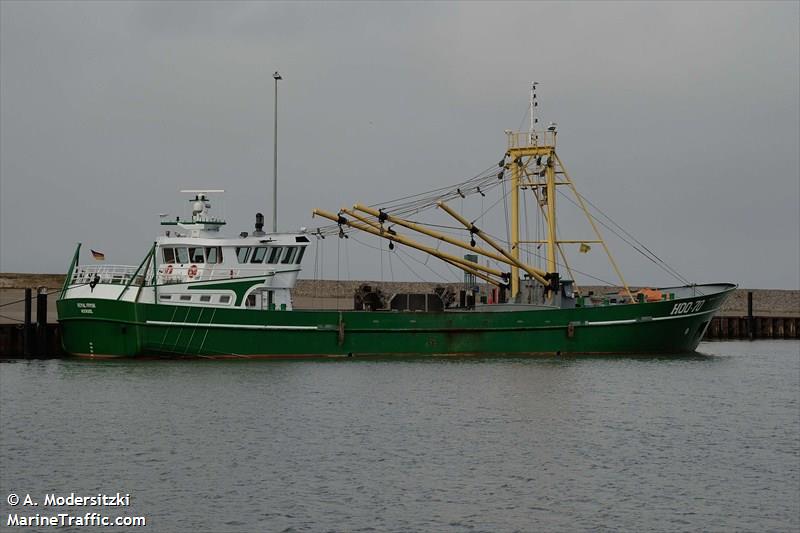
(514, 221)
(519, 148)
(533, 105)
(276, 76)
(552, 242)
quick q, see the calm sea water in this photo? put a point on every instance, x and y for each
(707, 442)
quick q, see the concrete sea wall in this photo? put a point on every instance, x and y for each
(333, 293)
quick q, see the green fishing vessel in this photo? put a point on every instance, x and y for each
(198, 293)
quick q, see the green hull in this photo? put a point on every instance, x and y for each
(125, 329)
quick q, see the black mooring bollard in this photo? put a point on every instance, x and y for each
(41, 322)
(27, 332)
(750, 321)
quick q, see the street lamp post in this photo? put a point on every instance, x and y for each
(277, 77)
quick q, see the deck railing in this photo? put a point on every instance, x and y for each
(107, 274)
(122, 274)
(522, 139)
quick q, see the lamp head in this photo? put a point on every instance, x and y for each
(277, 76)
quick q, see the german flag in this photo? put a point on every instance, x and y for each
(98, 256)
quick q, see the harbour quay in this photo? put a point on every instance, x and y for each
(748, 313)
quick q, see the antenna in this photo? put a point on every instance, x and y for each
(534, 104)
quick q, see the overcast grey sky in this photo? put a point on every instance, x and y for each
(680, 120)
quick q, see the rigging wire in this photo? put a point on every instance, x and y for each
(541, 257)
(426, 265)
(539, 228)
(338, 268)
(347, 259)
(524, 116)
(525, 227)
(505, 209)
(485, 181)
(425, 197)
(409, 268)
(380, 253)
(391, 269)
(649, 255)
(479, 185)
(678, 275)
(503, 199)
(559, 263)
(410, 256)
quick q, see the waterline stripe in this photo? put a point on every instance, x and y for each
(228, 326)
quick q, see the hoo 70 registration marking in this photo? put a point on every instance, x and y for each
(687, 307)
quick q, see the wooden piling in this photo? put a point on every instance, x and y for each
(27, 332)
(41, 322)
(713, 330)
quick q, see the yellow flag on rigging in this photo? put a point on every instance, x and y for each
(584, 248)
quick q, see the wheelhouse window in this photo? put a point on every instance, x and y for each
(300, 255)
(196, 254)
(242, 253)
(288, 256)
(258, 255)
(182, 255)
(169, 255)
(213, 255)
(274, 255)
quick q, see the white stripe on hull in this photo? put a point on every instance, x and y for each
(229, 326)
(635, 320)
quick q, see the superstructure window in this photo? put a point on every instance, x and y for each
(274, 255)
(165, 297)
(224, 299)
(258, 255)
(196, 254)
(205, 298)
(214, 254)
(300, 255)
(288, 257)
(182, 255)
(169, 255)
(186, 297)
(242, 253)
